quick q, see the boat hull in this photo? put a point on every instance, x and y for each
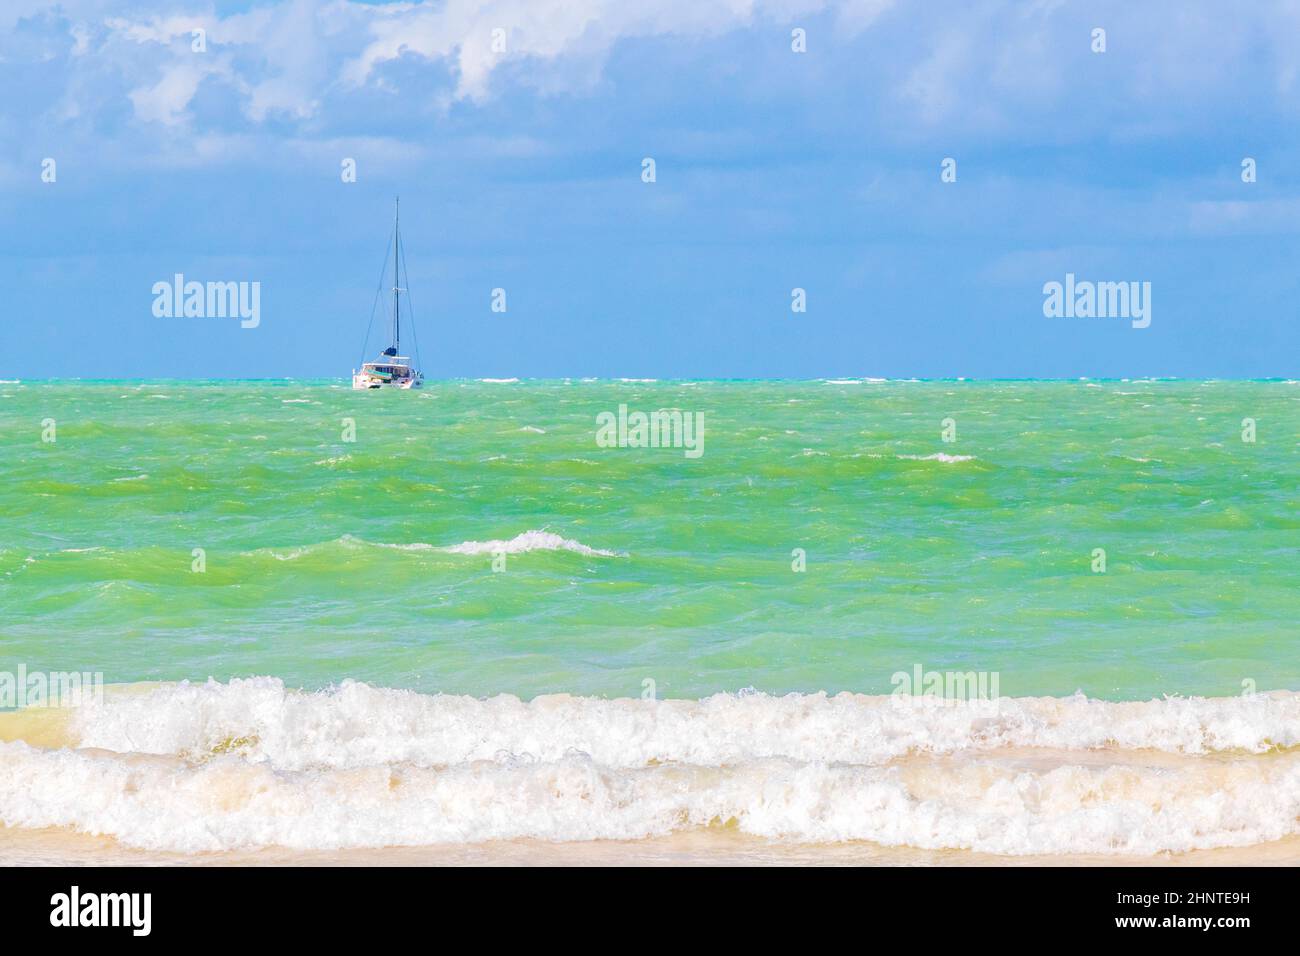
(367, 382)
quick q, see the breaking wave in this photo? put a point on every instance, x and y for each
(519, 544)
(249, 763)
(529, 541)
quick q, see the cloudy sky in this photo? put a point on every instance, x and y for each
(521, 169)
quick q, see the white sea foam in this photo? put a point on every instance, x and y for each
(520, 544)
(528, 541)
(214, 766)
(534, 429)
(343, 541)
(229, 803)
(938, 456)
(355, 724)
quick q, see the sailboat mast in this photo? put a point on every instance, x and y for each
(397, 316)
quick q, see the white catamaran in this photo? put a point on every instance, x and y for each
(391, 370)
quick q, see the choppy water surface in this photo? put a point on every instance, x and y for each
(475, 547)
(372, 559)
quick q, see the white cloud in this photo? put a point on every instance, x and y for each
(283, 58)
(471, 33)
(854, 16)
(167, 100)
(161, 30)
(992, 68)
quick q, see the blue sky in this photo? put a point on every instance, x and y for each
(522, 170)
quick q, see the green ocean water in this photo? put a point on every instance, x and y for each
(328, 558)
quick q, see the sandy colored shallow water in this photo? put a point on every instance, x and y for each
(713, 847)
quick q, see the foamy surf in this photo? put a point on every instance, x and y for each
(528, 541)
(937, 456)
(519, 544)
(199, 767)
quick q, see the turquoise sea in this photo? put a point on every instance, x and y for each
(328, 558)
(322, 553)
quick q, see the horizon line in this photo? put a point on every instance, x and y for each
(646, 380)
